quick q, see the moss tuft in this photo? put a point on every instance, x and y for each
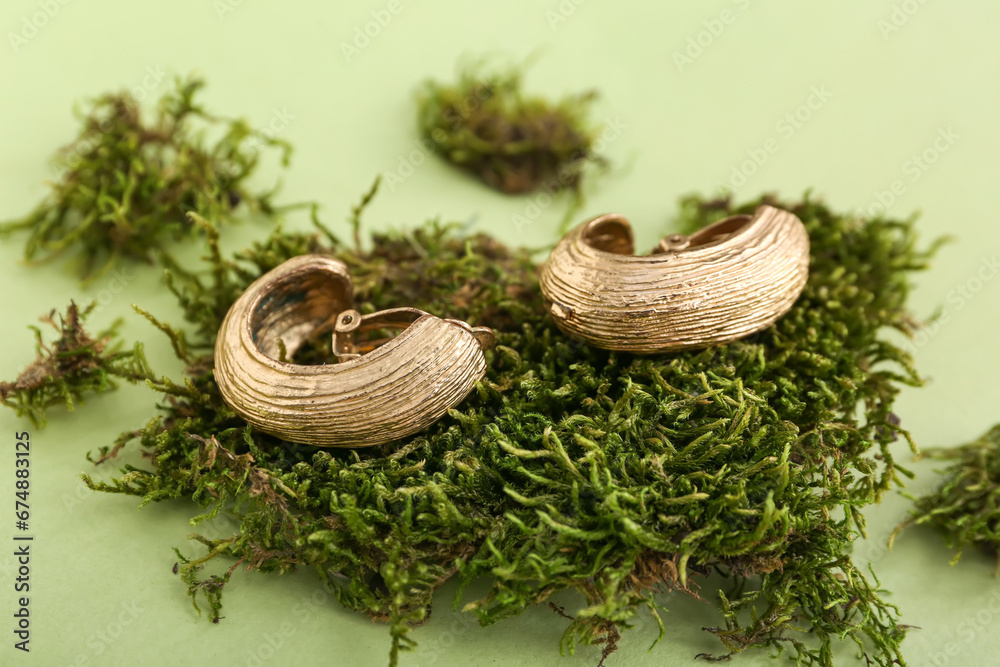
(514, 143)
(126, 183)
(71, 366)
(966, 505)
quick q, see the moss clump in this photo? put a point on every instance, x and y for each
(487, 126)
(71, 366)
(613, 475)
(125, 183)
(966, 506)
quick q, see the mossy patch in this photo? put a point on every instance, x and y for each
(127, 181)
(966, 504)
(486, 125)
(613, 475)
(71, 366)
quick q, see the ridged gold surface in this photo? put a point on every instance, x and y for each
(727, 281)
(399, 388)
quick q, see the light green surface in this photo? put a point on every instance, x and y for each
(101, 585)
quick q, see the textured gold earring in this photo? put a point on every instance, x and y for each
(380, 389)
(726, 281)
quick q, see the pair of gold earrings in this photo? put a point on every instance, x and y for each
(727, 281)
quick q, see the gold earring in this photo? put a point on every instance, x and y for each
(726, 281)
(379, 390)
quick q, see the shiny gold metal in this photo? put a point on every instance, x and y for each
(726, 281)
(377, 391)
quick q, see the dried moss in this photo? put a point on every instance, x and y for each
(71, 366)
(485, 125)
(125, 183)
(966, 505)
(572, 468)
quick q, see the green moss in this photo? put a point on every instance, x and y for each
(125, 183)
(966, 505)
(613, 475)
(515, 143)
(71, 366)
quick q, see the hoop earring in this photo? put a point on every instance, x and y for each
(380, 390)
(726, 281)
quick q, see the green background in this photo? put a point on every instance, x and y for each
(894, 77)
